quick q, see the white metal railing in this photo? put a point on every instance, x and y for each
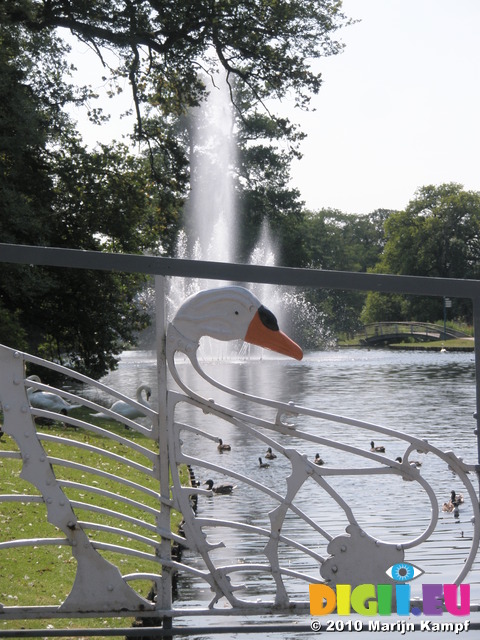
(117, 503)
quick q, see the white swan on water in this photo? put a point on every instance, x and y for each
(127, 410)
(47, 400)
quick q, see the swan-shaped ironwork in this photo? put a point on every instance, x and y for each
(292, 544)
(353, 557)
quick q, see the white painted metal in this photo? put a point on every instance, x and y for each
(354, 556)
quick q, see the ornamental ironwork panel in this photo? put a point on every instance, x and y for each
(106, 512)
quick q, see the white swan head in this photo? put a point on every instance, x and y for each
(232, 313)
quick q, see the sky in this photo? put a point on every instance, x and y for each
(398, 109)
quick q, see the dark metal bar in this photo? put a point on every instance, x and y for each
(155, 632)
(159, 632)
(74, 258)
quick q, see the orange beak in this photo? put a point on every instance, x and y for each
(263, 336)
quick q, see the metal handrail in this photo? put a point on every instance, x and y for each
(295, 277)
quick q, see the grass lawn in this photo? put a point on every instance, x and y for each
(36, 575)
(457, 344)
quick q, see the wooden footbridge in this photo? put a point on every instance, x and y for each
(379, 333)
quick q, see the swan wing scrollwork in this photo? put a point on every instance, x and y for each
(98, 584)
(341, 534)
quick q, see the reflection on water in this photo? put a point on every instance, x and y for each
(430, 395)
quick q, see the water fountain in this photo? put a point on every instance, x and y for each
(210, 220)
(211, 225)
(209, 231)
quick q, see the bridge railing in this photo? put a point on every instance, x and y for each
(117, 501)
(418, 330)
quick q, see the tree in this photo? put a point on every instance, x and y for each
(25, 184)
(163, 45)
(166, 48)
(56, 193)
(337, 241)
(438, 235)
(264, 192)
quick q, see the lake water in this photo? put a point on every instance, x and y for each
(429, 395)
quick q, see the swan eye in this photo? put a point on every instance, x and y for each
(403, 572)
(236, 313)
(267, 318)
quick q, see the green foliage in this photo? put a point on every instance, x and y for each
(12, 334)
(267, 46)
(56, 193)
(105, 200)
(333, 240)
(383, 307)
(93, 316)
(437, 236)
(24, 178)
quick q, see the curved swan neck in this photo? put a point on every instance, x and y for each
(140, 390)
(176, 342)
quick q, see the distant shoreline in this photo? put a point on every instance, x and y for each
(461, 344)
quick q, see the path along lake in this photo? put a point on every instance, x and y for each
(430, 395)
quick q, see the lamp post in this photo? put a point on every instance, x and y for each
(447, 303)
